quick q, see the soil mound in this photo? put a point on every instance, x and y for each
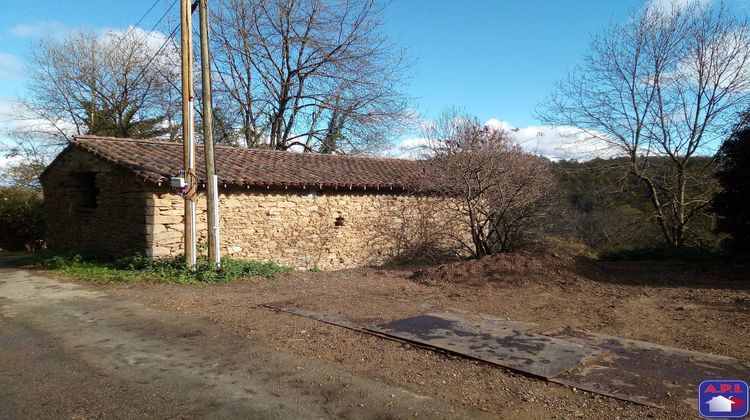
(512, 269)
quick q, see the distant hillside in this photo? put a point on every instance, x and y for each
(609, 210)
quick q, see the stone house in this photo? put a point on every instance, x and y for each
(307, 211)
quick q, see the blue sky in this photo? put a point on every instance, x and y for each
(495, 59)
(492, 58)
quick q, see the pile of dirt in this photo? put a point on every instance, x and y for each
(513, 269)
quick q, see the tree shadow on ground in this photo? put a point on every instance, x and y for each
(562, 270)
(10, 259)
(673, 273)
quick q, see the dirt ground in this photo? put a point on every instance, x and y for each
(697, 307)
(67, 351)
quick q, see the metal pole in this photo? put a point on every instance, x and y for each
(186, 55)
(216, 227)
(212, 193)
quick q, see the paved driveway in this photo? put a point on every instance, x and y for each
(71, 351)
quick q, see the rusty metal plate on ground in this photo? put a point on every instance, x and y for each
(485, 323)
(645, 372)
(631, 370)
(505, 345)
(327, 318)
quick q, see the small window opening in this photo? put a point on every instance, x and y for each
(339, 221)
(87, 190)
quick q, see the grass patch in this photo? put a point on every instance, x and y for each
(140, 268)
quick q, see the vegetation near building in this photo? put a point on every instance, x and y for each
(730, 204)
(329, 211)
(609, 211)
(21, 219)
(315, 75)
(659, 89)
(502, 194)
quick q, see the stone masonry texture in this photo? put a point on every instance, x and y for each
(308, 228)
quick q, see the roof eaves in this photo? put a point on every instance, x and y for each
(155, 176)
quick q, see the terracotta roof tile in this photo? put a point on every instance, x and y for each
(157, 161)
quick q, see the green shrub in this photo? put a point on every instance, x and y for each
(730, 204)
(21, 219)
(139, 267)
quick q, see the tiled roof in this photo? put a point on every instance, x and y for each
(157, 161)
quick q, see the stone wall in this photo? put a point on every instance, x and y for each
(110, 220)
(305, 229)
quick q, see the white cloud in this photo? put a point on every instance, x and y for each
(8, 161)
(498, 124)
(562, 143)
(557, 142)
(553, 142)
(7, 111)
(14, 116)
(38, 29)
(10, 65)
(151, 41)
(408, 148)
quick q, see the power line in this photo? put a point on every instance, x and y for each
(153, 28)
(151, 60)
(166, 41)
(149, 11)
(131, 27)
(125, 35)
(163, 16)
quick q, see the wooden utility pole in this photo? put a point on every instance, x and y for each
(212, 193)
(188, 143)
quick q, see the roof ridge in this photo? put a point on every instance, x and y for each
(78, 137)
(222, 146)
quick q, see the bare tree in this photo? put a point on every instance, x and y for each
(88, 83)
(315, 74)
(501, 192)
(114, 84)
(29, 158)
(662, 88)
